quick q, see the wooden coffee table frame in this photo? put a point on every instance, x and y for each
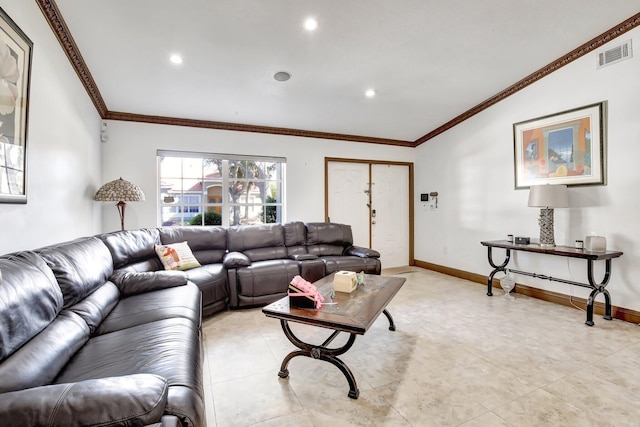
(353, 314)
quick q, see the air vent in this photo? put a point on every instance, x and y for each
(615, 54)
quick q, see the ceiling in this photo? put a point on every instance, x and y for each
(429, 61)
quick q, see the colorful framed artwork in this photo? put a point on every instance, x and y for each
(15, 70)
(565, 148)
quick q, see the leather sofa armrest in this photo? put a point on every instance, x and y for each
(131, 283)
(303, 257)
(362, 252)
(235, 260)
(128, 400)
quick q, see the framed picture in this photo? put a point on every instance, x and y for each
(15, 69)
(564, 148)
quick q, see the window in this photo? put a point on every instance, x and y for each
(214, 189)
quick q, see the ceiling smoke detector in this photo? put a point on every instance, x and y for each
(282, 76)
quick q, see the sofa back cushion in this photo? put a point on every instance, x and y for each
(80, 267)
(208, 243)
(295, 236)
(134, 250)
(326, 238)
(258, 242)
(29, 299)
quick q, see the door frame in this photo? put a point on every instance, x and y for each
(370, 163)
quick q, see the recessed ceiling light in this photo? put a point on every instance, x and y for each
(310, 24)
(370, 93)
(282, 76)
(176, 59)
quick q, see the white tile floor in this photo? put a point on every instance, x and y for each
(457, 358)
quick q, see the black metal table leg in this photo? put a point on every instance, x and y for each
(321, 352)
(598, 288)
(392, 326)
(496, 268)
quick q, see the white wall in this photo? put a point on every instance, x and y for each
(62, 147)
(130, 153)
(471, 166)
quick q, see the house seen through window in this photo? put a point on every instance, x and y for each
(213, 189)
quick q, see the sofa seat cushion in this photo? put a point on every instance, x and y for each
(351, 263)
(169, 348)
(212, 281)
(179, 301)
(266, 278)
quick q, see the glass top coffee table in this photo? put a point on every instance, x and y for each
(352, 313)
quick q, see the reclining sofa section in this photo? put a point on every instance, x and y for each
(262, 260)
(245, 266)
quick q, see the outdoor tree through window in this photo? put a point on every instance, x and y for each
(207, 189)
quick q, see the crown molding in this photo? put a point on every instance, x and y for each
(60, 29)
(239, 127)
(587, 47)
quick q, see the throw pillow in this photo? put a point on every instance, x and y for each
(176, 256)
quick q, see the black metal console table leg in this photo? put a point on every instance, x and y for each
(496, 268)
(598, 288)
(321, 352)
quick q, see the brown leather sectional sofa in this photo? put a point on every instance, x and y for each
(95, 332)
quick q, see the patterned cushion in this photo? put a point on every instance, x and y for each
(176, 256)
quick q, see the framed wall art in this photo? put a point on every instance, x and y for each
(563, 148)
(15, 70)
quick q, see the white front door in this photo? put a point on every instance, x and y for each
(380, 220)
(347, 200)
(390, 213)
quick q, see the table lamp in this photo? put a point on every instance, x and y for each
(120, 191)
(547, 197)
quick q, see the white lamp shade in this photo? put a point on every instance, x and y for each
(548, 196)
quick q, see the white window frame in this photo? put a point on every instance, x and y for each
(226, 204)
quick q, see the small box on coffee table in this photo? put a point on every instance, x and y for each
(300, 299)
(344, 281)
(303, 294)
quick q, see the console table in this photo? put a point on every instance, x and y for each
(564, 251)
